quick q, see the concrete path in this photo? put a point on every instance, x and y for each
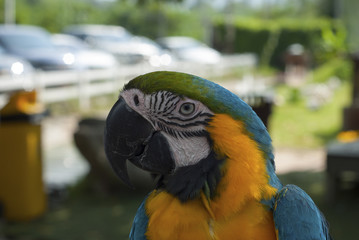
(294, 160)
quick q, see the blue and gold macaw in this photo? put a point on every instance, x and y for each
(214, 161)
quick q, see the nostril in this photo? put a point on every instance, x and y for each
(139, 150)
(149, 137)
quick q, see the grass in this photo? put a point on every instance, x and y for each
(292, 124)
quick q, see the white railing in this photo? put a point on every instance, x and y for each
(57, 86)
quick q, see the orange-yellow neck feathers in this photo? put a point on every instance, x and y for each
(245, 176)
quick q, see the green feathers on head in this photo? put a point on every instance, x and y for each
(175, 82)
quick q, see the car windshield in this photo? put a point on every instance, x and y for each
(69, 43)
(181, 43)
(25, 41)
(111, 38)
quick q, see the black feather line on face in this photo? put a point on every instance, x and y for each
(161, 100)
(187, 182)
(191, 118)
(184, 125)
(182, 134)
(155, 103)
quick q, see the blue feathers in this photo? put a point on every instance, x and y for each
(139, 226)
(297, 217)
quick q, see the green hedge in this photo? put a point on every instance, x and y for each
(151, 19)
(269, 39)
(156, 20)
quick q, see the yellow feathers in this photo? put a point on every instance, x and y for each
(171, 219)
(245, 176)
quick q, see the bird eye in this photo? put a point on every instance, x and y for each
(187, 109)
(135, 100)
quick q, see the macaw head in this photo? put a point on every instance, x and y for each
(179, 127)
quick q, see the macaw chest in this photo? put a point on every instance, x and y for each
(171, 219)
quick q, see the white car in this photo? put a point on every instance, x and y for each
(127, 48)
(14, 66)
(190, 50)
(84, 56)
(14, 69)
(33, 44)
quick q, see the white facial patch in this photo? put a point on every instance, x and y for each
(188, 151)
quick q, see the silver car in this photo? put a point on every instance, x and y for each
(85, 57)
(34, 45)
(127, 48)
(189, 50)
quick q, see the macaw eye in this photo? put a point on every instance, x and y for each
(187, 109)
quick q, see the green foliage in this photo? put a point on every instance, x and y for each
(2, 11)
(148, 18)
(156, 20)
(302, 9)
(336, 67)
(269, 39)
(54, 15)
(333, 41)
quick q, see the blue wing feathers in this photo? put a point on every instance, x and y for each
(140, 222)
(297, 217)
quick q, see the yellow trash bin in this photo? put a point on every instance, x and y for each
(22, 192)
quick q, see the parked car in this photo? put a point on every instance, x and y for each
(190, 50)
(127, 48)
(34, 45)
(85, 56)
(13, 66)
(15, 70)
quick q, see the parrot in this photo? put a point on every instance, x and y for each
(212, 160)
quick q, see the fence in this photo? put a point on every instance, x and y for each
(58, 86)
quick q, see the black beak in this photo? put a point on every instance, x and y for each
(129, 136)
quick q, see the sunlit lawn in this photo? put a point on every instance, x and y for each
(293, 124)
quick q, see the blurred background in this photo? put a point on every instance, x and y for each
(63, 63)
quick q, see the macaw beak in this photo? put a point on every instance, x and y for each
(129, 136)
